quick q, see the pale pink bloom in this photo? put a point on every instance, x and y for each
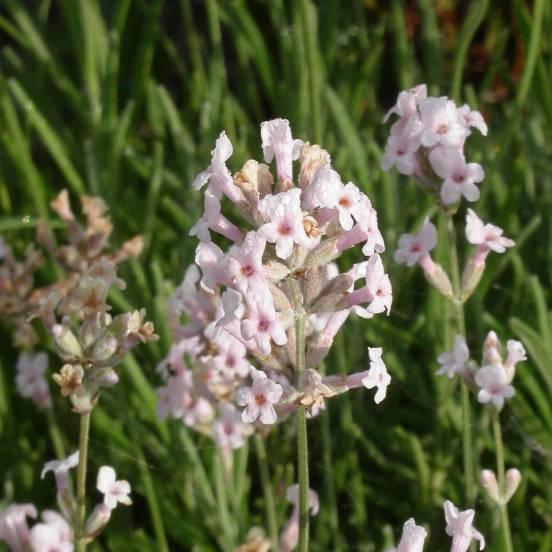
(493, 385)
(278, 143)
(400, 151)
(407, 102)
(290, 534)
(365, 230)
(442, 124)
(415, 248)
(516, 353)
(261, 324)
(213, 219)
(61, 469)
(114, 491)
(231, 358)
(377, 375)
(285, 226)
(170, 397)
(30, 380)
(413, 537)
(325, 187)
(228, 429)
(217, 173)
(512, 481)
(487, 236)
(459, 177)
(377, 292)
(53, 535)
(259, 399)
(454, 362)
(473, 119)
(173, 363)
(245, 263)
(197, 410)
(212, 262)
(232, 312)
(459, 527)
(14, 530)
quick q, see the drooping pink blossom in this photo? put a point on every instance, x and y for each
(473, 119)
(486, 236)
(14, 530)
(459, 527)
(61, 469)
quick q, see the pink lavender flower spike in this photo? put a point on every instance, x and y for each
(460, 528)
(413, 538)
(259, 399)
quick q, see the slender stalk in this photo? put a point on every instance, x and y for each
(267, 491)
(222, 503)
(302, 443)
(467, 438)
(55, 434)
(499, 449)
(81, 479)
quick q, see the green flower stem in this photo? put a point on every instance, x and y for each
(467, 438)
(302, 442)
(55, 434)
(81, 480)
(267, 491)
(499, 448)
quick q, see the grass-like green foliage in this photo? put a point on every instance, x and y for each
(124, 100)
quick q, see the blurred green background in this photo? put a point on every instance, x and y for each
(124, 99)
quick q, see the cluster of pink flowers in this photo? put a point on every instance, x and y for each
(238, 347)
(56, 533)
(427, 141)
(459, 526)
(492, 379)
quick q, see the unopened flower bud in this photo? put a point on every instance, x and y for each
(66, 341)
(490, 484)
(104, 348)
(82, 401)
(470, 278)
(106, 377)
(513, 479)
(322, 254)
(97, 521)
(439, 280)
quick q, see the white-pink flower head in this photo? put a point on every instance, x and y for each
(459, 527)
(284, 225)
(414, 248)
(456, 361)
(413, 537)
(30, 380)
(459, 177)
(245, 263)
(278, 143)
(229, 430)
(52, 535)
(442, 124)
(114, 491)
(61, 469)
(217, 173)
(259, 399)
(377, 375)
(493, 385)
(262, 324)
(13, 526)
(487, 236)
